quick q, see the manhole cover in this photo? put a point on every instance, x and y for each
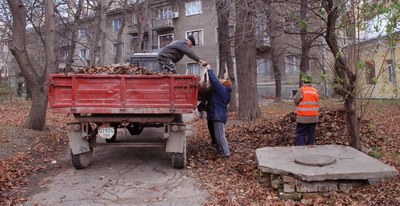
(315, 160)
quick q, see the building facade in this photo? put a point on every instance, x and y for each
(156, 23)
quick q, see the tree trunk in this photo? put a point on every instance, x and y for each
(347, 79)
(118, 55)
(245, 51)
(275, 57)
(224, 46)
(103, 45)
(37, 114)
(50, 40)
(305, 43)
(74, 37)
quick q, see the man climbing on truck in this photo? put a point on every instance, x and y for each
(174, 52)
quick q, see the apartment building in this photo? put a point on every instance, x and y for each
(164, 21)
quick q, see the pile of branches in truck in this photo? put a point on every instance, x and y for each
(127, 69)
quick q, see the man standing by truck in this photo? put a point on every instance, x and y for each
(174, 52)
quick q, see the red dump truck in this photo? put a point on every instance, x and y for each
(103, 103)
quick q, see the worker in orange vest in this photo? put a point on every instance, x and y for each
(307, 104)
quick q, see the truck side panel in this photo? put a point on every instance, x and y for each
(123, 93)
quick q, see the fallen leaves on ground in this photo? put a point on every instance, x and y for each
(233, 180)
(230, 181)
(44, 147)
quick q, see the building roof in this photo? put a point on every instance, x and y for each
(377, 28)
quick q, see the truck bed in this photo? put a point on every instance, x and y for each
(123, 94)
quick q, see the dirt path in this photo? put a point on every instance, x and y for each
(121, 176)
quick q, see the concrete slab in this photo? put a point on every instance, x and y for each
(350, 163)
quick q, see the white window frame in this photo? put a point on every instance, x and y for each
(165, 12)
(197, 41)
(193, 8)
(190, 72)
(116, 24)
(66, 55)
(83, 53)
(391, 70)
(160, 36)
(81, 33)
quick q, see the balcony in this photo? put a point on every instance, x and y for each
(162, 24)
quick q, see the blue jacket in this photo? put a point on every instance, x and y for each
(218, 100)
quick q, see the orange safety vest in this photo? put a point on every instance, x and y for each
(309, 105)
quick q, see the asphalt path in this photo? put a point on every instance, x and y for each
(121, 176)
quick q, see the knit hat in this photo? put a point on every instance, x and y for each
(192, 40)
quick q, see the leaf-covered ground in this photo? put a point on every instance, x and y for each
(25, 153)
(230, 181)
(233, 181)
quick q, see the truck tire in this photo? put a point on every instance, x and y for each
(114, 137)
(81, 161)
(179, 159)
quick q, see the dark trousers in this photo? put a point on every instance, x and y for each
(210, 125)
(305, 134)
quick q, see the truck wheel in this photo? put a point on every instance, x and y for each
(81, 161)
(179, 159)
(114, 137)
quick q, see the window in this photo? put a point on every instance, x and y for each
(164, 13)
(83, 53)
(115, 46)
(66, 55)
(82, 33)
(135, 19)
(291, 64)
(294, 92)
(116, 24)
(164, 40)
(390, 69)
(370, 71)
(193, 69)
(197, 35)
(193, 7)
(263, 66)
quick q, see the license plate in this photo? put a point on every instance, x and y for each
(106, 132)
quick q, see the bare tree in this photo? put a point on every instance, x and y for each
(141, 15)
(50, 40)
(224, 46)
(35, 77)
(245, 51)
(69, 29)
(274, 30)
(118, 44)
